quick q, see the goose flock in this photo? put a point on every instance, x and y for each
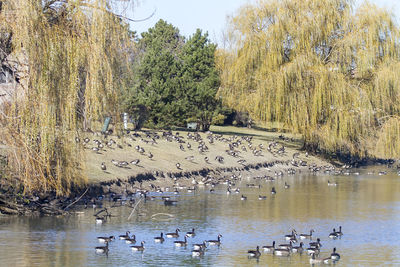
(287, 249)
(198, 249)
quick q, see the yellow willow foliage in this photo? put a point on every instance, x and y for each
(73, 52)
(317, 68)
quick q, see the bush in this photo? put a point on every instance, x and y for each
(218, 119)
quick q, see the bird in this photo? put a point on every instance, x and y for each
(282, 252)
(181, 243)
(304, 236)
(335, 256)
(262, 197)
(173, 235)
(104, 239)
(125, 236)
(273, 191)
(135, 162)
(138, 248)
(292, 235)
(298, 249)
(159, 239)
(130, 240)
(339, 233)
(286, 246)
(206, 159)
(200, 246)
(254, 253)
(103, 166)
(269, 248)
(100, 220)
(178, 166)
(332, 184)
(150, 155)
(191, 233)
(102, 249)
(215, 242)
(198, 252)
(287, 186)
(243, 197)
(334, 234)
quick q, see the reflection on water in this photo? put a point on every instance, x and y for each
(366, 206)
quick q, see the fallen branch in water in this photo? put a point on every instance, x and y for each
(134, 209)
(76, 200)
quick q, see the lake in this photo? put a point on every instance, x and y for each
(366, 205)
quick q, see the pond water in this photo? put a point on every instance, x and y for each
(367, 206)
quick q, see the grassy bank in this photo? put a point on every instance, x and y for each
(166, 154)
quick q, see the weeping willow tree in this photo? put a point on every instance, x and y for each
(72, 54)
(319, 68)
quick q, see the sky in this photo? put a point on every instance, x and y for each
(207, 15)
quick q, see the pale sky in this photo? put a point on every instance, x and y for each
(208, 15)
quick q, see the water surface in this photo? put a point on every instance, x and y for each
(367, 206)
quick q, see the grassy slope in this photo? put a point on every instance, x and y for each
(167, 154)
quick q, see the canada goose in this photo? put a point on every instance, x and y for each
(287, 186)
(159, 239)
(102, 249)
(178, 166)
(243, 198)
(314, 260)
(135, 162)
(286, 246)
(273, 191)
(228, 191)
(206, 159)
(339, 233)
(215, 242)
(200, 246)
(332, 184)
(282, 252)
(104, 239)
(103, 166)
(191, 233)
(313, 250)
(254, 253)
(198, 252)
(125, 236)
(191, 189)
(292, 235)
(131, 240)
(262, 197)
(335, 256)
(181, 243)
(304, 236)
(138, 248)
(173, 235)
(269, 248)
(150, 155)
(334, 234)
(298, 249)
(237, 190)
(100, 220)
(176, 192)
(168, 202)
(316, 244)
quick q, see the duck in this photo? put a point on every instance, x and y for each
(335, 256)
(269, 248)
(281, 252)
(131, 240)
(159, 239)
(138, 248)
(125, 236)
(243, 198)
(287, 186)
(316, 244)
(200, 246)
(262, 197)
(191, 233)
(334, 234)
(273, 191)
(104, 239)
(254, 253)
(298, 249)
(304, 236)
(215, 242)
(181, 243)
(173, 235)
(102, 249)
